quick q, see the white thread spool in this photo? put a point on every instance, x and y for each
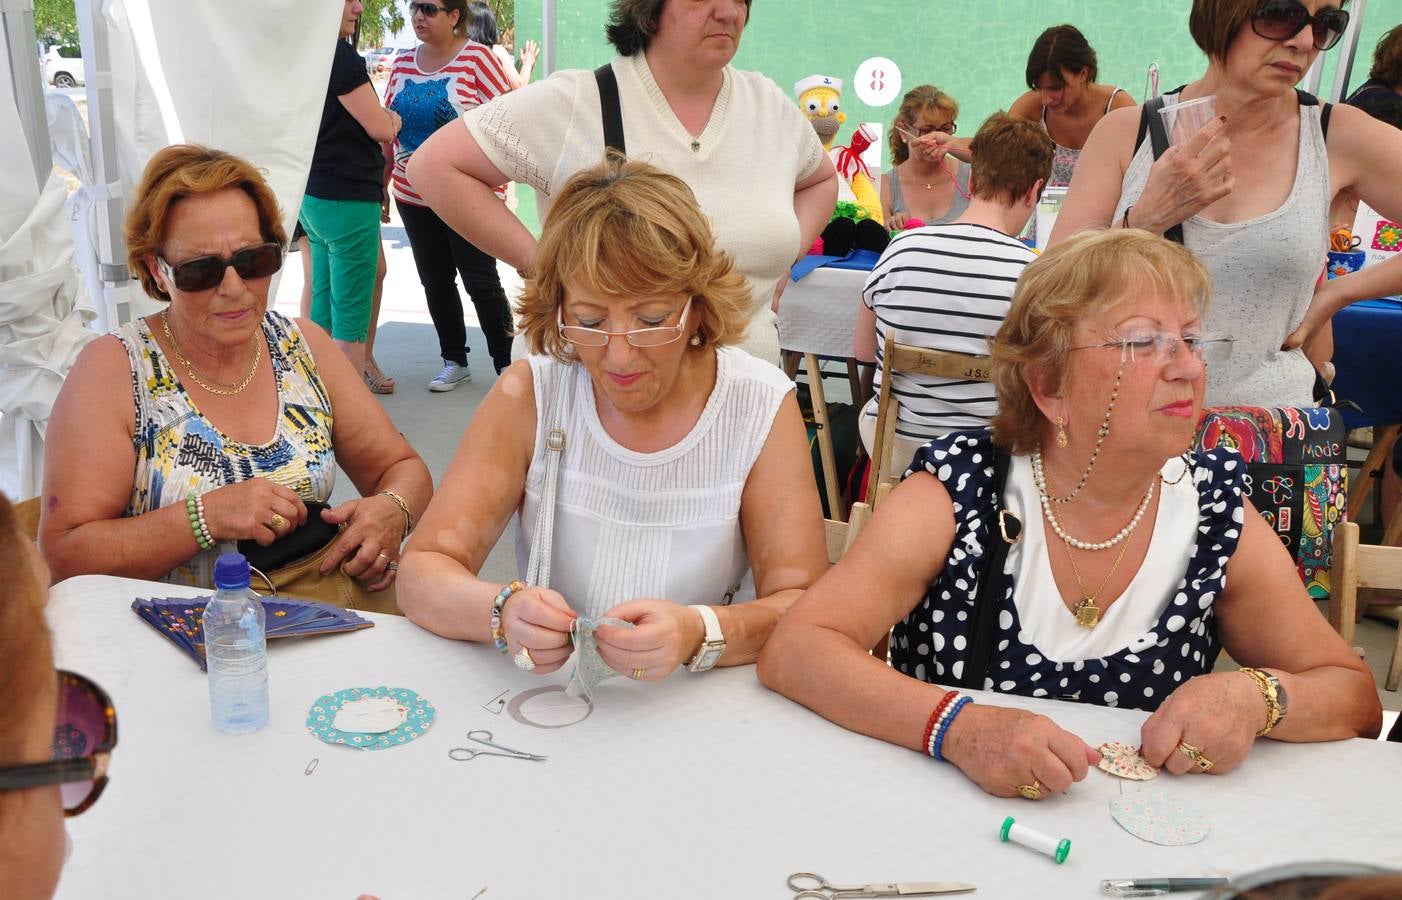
(1035, 840)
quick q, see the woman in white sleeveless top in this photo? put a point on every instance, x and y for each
(1252, 191)
(684, 482)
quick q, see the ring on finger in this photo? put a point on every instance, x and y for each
(1031, 791)
(392, 566)
(638, 673)
(1195, 754)
(277, 522)
(523, 659)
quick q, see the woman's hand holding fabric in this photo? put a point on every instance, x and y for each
(1187, 179)
(370, 541)
(1217, 715)
(1001, 748)
(539, 619)
(897, 220)
(665, 635)
(250, 509)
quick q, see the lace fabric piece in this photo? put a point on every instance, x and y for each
(589, 667)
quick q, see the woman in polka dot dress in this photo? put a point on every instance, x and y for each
(1117, 590)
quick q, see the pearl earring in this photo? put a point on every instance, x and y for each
(1060, 432)
(567, 346)
(695, 340)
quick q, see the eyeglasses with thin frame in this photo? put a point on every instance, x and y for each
(1280, 20)
(205, 272)
(428, 9)
(1161, 347)
(83, 743)
(909, 132)
(654, 336)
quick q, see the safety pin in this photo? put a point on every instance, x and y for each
(311, 766)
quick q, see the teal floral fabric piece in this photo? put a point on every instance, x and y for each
(321, 718)
(589, 667)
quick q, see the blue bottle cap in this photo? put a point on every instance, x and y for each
(231, 571)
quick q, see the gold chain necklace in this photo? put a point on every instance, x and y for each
(1086, 612)
(195, 374)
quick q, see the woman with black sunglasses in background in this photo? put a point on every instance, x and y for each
(57, 733)
(217, 420)
(1251, 191)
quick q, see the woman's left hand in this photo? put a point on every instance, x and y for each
(1217, 715)
(1322, 307)
(370, 541)
(665, 635)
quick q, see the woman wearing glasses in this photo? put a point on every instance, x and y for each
(431, 86)
(216, 420)
(684, 487)
(58, 732)
(1251, 191)
(1131, 565)
(925, 182)
(754, 162)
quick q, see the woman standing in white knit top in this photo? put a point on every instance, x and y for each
(685, 465)
(737, 140)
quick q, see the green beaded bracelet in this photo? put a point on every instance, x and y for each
(193, 512)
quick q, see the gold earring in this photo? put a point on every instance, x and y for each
(1061, 432)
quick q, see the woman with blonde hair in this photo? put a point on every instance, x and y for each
(1076, 552)
(925, 182)
(683, 487)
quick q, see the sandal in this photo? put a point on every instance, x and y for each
(378, 382)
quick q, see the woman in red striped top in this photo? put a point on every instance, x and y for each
(430, 86)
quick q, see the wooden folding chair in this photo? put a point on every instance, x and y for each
(914, 361)
(826, 455)
(1370, 476)
(841, 535)
(1364, 566)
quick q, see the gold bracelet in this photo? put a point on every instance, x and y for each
(403, 507)
(1267, 687)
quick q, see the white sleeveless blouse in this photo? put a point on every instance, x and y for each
(663, 525)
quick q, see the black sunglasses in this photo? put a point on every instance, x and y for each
(205, 272)
(1280, 20)
(428, 9)
(83, 742)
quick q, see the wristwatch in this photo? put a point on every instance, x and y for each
(712, 645)
(1277, 703)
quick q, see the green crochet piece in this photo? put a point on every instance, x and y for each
(845, 209)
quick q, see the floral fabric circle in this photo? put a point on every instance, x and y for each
(321, 718)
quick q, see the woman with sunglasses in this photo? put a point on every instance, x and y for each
(1128, 564)
(684, 487)
(430, 86)
(216, 420)
(1251, 191)
(924, 182)
(58, 734)
(753, 160)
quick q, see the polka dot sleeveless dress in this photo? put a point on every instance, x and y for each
(931, 643)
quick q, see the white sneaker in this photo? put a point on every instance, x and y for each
(451, 376)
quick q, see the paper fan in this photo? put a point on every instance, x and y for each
(181, 620)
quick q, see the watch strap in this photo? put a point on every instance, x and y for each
(712, 644)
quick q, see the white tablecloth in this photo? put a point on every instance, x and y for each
(818, 313)
(698, 786)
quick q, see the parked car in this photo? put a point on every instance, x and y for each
(379, 59)
(63, 66)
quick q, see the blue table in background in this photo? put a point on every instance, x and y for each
(1368, 361)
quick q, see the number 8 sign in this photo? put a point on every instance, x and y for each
(878, 81)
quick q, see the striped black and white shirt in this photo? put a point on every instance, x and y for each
(945, 287)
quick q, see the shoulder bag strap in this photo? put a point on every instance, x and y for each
(542, 538)
(1007, 529)
(1158, 139)
(612, 111)
(1308, 99)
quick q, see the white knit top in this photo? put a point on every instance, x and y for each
(742, 168)
(662, 525)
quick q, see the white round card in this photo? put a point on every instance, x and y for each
(878, 81)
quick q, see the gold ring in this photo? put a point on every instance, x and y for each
(392, 566)
(1195, 754)
(1031, 791)
(382, 553)
(638, 673)
(1203, 763)
(276, 522)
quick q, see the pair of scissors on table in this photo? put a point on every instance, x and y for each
(807, 886)
(484, 737)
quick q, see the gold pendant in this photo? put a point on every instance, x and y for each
(1086, 612)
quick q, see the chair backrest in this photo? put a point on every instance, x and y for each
(1359, 566)
(897, 357)
(841, 535)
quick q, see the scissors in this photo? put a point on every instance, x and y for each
(484, 737)
(1342, 240)
(808, 886)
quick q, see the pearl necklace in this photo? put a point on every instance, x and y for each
(1049, 511)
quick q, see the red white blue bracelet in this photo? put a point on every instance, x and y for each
(942, 728)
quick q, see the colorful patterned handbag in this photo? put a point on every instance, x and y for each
(1296, 475)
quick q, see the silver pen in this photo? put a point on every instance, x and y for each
(1155, 887)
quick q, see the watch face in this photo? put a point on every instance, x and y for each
(709, 656)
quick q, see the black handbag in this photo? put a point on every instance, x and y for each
(992, 582)
(301, 541)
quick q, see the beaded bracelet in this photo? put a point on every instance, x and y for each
(194, 510)
(498, 634)
(944, 726)
(403, 507)
(930, 724)
(939, 721)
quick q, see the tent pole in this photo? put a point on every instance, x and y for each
(1348, 52)
(102, 137)
(547, 36)
(22, 45)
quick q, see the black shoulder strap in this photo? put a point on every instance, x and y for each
(612, 112)
(1308, 99)
(992, 581)
(1151, 122)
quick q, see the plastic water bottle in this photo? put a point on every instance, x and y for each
(236, 650)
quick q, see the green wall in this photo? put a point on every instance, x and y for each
(975, 50)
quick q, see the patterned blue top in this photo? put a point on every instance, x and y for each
(930, 642)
